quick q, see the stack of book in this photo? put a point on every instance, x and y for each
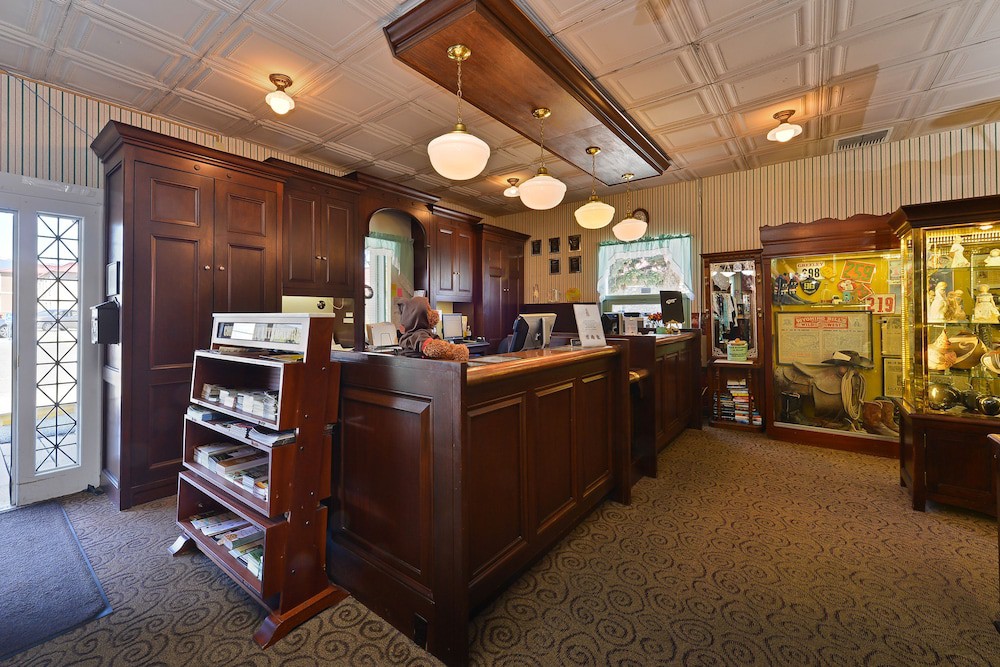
(727, 407)
(251, 554)
(228, 459)
(739, 394)
(260, 403)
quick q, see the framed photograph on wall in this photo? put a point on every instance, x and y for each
(554, 245)
(553, 266)
(574, 264)
(536, 246)
(574, 242)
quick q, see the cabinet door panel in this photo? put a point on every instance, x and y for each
(959, 465)
(303, 239)
(496, 324)
(555, 480)
(246, 226)
(595, 432)
(339, 245)
(464, 253)
(444, 261)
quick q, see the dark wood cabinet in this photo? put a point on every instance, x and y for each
(500, 290)
(322, 250)
(454, 252)
(948, 460)
(195, 231)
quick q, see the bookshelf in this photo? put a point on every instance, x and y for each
(735, 394)
(264, 373)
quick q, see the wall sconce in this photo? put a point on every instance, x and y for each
(280, 101)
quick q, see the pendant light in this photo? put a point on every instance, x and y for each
(629, 229)
(458, 155)
(512, 191)
(785, 130)
(542, 192)
(595, 213)
(280, 101)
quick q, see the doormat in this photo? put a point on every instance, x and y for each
(47, 586)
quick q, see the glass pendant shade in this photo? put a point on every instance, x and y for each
(512, 191)
(280, 102)
(594, 214)
(785, 131)
(542, 192)
(629, 229)
(458, 155)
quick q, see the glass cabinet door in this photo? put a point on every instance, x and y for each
(733, 294)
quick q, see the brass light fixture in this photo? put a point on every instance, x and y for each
(458, 155)
(512, 191)
(280, 101)
(595, 213)
(785, 130)
(542, 192)
(629, 229)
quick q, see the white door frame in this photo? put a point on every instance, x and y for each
(28, 197)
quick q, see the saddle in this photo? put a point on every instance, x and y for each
(836, 391)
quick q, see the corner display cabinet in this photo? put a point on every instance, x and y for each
(951, 353)
(734, 312)
(255, 509)
(832, 361)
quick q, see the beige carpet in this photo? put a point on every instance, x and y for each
(743, 552)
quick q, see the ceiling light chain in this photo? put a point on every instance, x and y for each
(459, 92)
(542, 192)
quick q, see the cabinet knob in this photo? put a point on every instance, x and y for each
(208, 268)
(323, 258)
(222, 268)
(318, 257)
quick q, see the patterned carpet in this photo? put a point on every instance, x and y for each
(743, 552)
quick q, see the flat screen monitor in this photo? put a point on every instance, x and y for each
(451, 326)
(539, 330)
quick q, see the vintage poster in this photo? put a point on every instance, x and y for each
(892, 336)
(812, 338)
(892, 377)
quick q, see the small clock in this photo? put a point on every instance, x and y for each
(641, 214)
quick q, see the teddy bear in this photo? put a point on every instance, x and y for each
(418, 320)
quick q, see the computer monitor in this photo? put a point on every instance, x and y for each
(537, 330)
(451, 326)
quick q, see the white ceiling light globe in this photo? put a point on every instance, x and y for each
(458, 155)
(280, 102)
(594, 214)
(629, 229)
(542, 192)
(784, 132)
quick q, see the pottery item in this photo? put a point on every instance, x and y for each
(940, 355)
(968, 350)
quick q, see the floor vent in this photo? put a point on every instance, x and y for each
(860, 140)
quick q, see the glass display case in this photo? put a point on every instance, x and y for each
(950, 254)
(833, 350)
(733, 314)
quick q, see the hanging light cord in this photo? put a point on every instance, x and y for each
(628, 195)
(541, 141)
(593, 174)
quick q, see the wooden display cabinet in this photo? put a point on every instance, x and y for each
(829, 283)
(293, 585)
(733, 310)
(951, 383)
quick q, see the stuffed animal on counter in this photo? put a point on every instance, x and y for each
(418, 320)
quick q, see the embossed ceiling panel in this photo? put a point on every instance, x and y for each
(701, 77)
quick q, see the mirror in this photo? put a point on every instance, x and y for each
(734, 299)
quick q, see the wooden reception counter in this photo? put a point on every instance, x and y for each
(450, 479)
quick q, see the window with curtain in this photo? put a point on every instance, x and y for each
(631, 275)
(389, 272)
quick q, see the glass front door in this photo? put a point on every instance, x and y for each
(49, 397)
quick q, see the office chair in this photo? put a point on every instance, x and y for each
(515, 341)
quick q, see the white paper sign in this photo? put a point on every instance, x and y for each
(588, 323)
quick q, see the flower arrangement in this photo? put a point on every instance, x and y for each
(655, 317)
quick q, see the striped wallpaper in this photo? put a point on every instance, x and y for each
(46, 133)
(725, 212)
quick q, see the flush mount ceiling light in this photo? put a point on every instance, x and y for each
(280, 101)
(785, 130)
(595, 213)
(629, 229)
(512, 191)
(542, 192)
(458, 155)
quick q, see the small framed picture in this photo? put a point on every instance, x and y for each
(554, 245)
(536, 246)
(574, 264)
(574, 243)
(553, 266)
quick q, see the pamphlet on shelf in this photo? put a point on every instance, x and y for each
(271, 438)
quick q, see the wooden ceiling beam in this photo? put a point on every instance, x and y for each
(514, 69)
